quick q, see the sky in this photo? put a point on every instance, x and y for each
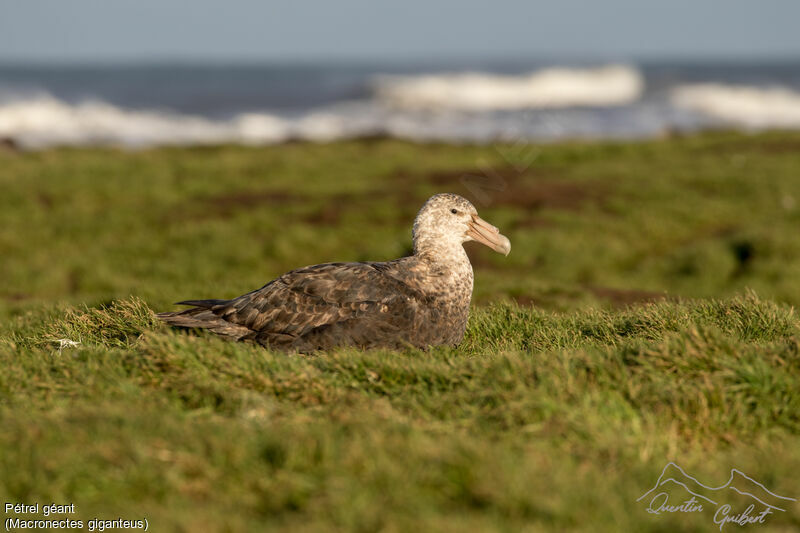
(86, 31)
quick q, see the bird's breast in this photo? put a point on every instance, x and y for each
(445, 316)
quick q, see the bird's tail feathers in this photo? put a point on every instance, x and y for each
(207, 304)
(203, 318)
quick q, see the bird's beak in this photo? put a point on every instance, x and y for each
(483, 232)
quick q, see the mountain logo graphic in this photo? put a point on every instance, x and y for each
(754, 501)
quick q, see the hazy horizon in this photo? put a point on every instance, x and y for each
(358, 31)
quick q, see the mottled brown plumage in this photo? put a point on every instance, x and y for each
(421, 300)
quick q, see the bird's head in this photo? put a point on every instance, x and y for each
(450, 220)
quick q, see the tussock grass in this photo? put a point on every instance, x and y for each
(537, 420)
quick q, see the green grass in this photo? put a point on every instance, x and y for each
(644, 316)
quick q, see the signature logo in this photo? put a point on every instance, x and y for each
(741, 500)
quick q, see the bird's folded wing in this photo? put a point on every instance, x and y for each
(320, 295)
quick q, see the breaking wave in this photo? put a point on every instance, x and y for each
(557, 103)
(549, 88)
(753, 107)
(42, 120)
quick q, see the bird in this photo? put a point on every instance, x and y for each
(418, 301)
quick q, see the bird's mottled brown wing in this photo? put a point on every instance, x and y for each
(321, 306)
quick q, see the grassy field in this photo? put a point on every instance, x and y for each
(643, 316)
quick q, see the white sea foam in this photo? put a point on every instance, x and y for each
(753, 107)
(42, 120)
(464, 111)
(549, 88)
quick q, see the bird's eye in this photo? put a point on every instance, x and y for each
(454, 211)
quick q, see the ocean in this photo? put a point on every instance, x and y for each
(148, 105)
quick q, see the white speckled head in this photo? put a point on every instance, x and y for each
(447, 220)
